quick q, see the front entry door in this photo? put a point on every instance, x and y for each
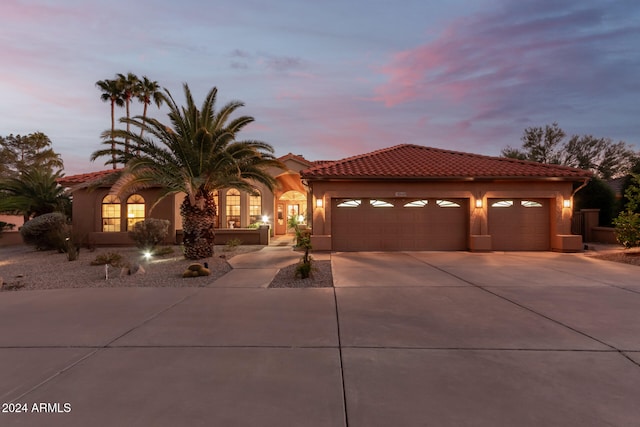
(281, 219)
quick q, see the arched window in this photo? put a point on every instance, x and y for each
(135, 210)
(233, 208)
(255, 208)
(110, 213)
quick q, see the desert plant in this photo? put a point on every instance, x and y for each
(114, 259)
(47, 231)
(147, 234)
(197, 153)
(304, 267)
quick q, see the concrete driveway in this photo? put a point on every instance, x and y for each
(404, 339)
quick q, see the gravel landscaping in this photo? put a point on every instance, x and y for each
(23, 268)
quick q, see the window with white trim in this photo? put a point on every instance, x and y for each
(233, 208)
(135, 210)
(255, 208)
(110, 214)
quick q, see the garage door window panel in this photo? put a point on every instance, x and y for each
(447, 204)
(349, 203)
(416, 204)
(530, 204)
(502, 204)
(381, 203)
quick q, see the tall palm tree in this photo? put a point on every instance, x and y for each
(148, 91)
(34, 192)
(129, 85)
(196, 155)
(111, 92)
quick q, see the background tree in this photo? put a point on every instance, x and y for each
(601, 156)
(148, 91)
(22, 153)
(34, 192)
(597, 195)
(129, 85)
(542, 145)
(111, 92)
(197, 154)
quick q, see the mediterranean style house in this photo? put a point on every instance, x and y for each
(405, 197)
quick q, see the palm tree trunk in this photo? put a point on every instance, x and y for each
(126, 142)
(198, 221)
(144, 115)
(113, 128)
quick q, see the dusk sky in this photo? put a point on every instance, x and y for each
(330, 79)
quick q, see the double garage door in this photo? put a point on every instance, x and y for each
(367, 224)
(399, 224)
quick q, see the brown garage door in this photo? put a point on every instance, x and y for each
(399, 224)
(519, 224)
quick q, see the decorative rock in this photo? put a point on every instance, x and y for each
(196, 270)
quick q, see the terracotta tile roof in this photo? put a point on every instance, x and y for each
(408, 161)
(84, 178)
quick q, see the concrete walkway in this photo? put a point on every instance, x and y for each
(404, 339)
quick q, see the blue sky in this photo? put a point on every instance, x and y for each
(334, 78)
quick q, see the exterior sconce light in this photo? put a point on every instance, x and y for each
(318, 203)
(478, 203)
(566, 203)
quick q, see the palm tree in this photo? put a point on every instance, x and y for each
(112, 92)
(148, 91)
(34, 192)
(196, 155)
(129, 85)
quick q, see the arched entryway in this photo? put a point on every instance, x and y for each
(291, 200)
(290, 204)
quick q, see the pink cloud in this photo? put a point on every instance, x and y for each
(495, 62)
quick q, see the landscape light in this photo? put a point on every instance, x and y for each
(265, 219)
(147, 254)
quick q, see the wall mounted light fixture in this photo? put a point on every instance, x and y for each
(318, 203)
(478, 203)
(566, 203)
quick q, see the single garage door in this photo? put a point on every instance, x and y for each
(362, 224)
(519, 224)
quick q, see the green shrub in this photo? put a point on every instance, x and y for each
(627, 224)
(232, 243)
(149, 233)
(48, 231)
(628, 229)
(114, 259)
